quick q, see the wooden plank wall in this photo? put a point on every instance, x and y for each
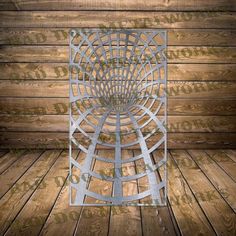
(34, 66)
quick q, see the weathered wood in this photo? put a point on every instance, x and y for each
(201, 40)
(175, 54)
(128, 220)
(60, 36)
(17, 169)
(152, 5)
(218, 212)
(15, 199)
(60, 71)
(155, 220)
(175, 89)
(62, 214)
(2, 153)
(29, 140)
(95, 220)
(59, 106)
(119, 19)
(41, 201)
(189, 213)
(196, 204)
(60, 123)
(7, 160)
(231, 154)
(222, 182)
(224, 161)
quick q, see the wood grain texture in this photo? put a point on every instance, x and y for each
(155, 220)
(95, 220)
(129, 220)
(62, 214)
(216, 209)
(60, 123)
(196, 204)
(231, 154)
(17, 169)
(35, 206)
(175, 54)
(222, 182)
(190, 213)
(201, 65)
(118, 19)
(151, 5)
(60, 36)
(11, 203)
(224, 161)
(175, 89)
(60, 71)
(59, 106)
(7, 160)
(29, 140)
(3, 152)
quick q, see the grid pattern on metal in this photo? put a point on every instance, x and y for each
(118, 101)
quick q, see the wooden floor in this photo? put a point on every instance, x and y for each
(34, 198)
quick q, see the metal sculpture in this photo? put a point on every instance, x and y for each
(118, 102)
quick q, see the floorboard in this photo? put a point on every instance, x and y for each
(16, 170)
(34, 196)
(222, 182)
(95, 220)
(224, 162)
(8, 159)
(15, 199)
(62, 215)
(219, 214)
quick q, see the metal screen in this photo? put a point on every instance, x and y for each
(118, 102)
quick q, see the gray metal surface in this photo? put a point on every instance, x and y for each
(118, 80)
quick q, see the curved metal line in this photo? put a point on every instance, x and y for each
(147, 160)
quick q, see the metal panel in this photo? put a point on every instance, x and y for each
(118, 80)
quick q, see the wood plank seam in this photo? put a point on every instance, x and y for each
(220, 166)
(59, 192)
(210, 180)
(5, 230)
(193, 193)
(15, 181)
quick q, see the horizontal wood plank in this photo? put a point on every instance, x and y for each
(175, 89)
(60, 71)
(153, 5)
(60, 106)
(29, 140)
(60, 123)
(60, 36)
(119, 19)
(175, 54)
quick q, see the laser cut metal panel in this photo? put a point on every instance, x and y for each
(117, 101)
